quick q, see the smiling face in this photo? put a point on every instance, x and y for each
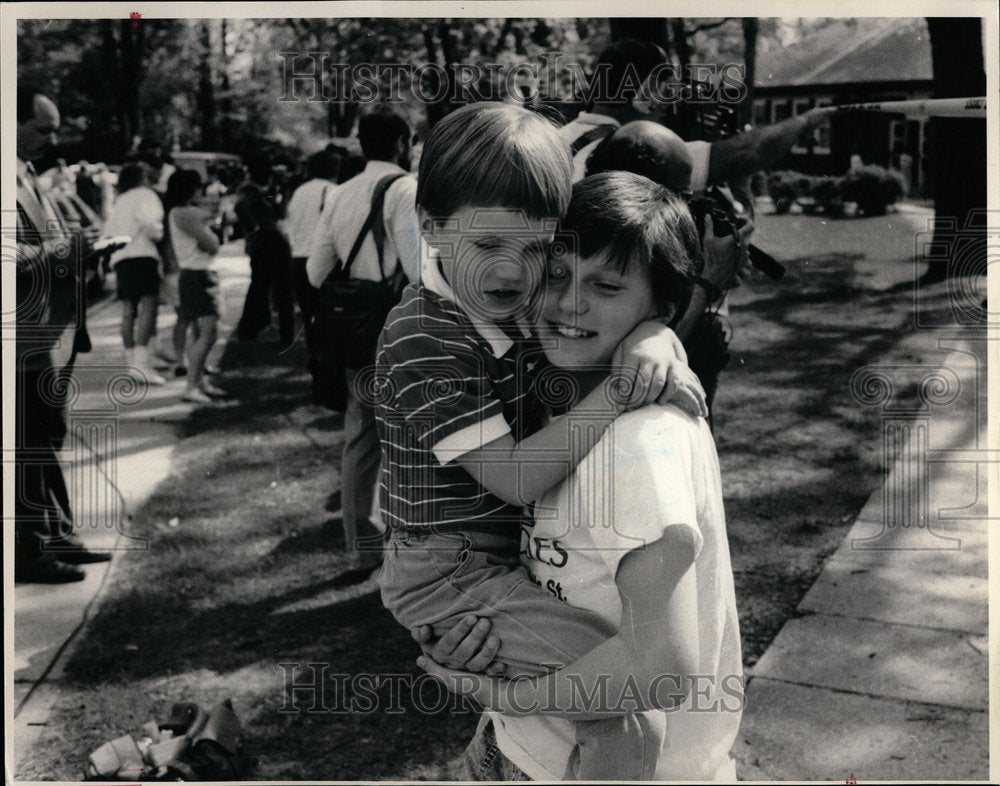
(494, 260)
(589, 307)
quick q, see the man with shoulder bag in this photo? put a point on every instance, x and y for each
(366, 247)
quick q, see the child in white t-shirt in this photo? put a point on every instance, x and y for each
(636, 534)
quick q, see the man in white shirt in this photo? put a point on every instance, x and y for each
(385, 142)
(304, 210)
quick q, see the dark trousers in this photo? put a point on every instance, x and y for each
(42, 512)
(305, 295)
(270, 287)
(708, 354)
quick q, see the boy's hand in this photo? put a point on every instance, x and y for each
(466, 647)
(684, 389)
(492, 693)
(654, 357)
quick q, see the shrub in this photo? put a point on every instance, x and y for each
(874, 188)
(827, 191)
(784, 188)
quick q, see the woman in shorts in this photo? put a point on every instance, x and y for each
(194, 246)
(138, 213)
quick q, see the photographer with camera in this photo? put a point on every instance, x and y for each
(712, 163)
(654, 151)
(51, 329)
(620, 132)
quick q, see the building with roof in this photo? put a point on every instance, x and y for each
(850, 61)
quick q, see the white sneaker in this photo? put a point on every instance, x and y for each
(163, 354)
(144, 363)
(212, 390)
(195, 396)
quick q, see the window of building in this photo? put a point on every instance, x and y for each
(799, 107)
(780, 110)
(761, 112)
(822, 134)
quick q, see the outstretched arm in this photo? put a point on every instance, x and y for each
(761, 147)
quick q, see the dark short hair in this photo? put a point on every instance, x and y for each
(324, 164)
(637, 221)
(132, 175)
(352, 164)
(629, 56)
(259, 166)
(182, 185)
(495, 155)
(379, 131)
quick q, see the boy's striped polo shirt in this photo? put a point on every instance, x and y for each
(443, 388)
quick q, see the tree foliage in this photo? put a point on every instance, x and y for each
(216, 84)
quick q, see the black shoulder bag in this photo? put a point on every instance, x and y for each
(351, 312)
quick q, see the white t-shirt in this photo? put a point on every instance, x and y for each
(586, 121)
(304, 209)
(654, 468)
(137, 213)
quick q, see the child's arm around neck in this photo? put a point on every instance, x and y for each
(519, 473)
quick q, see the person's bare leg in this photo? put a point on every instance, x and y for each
(128, 324)
(180, 337)
(146, 321)
(207, 332)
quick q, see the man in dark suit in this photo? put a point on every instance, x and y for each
(51, 329)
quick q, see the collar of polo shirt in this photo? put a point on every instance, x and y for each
(490, 332)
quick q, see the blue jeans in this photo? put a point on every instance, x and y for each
(437, 578)
(483, 759)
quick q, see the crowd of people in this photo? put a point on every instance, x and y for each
(440, 318)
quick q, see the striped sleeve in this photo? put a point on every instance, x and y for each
(442, 389)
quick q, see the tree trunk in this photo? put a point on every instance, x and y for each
(226, 104)
(135, 36)
(958, 148)
(750, 26)
(346, 112)
(682, 47)
(206, 96)
(109, 48)
(652, 30)
(435, 109)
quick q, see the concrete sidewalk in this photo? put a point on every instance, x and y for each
(883, 675)
(119, 447)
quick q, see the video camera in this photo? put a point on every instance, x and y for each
(726, 223)
(712, 121)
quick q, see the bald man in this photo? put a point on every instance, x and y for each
(648, 149)
(50, 331)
